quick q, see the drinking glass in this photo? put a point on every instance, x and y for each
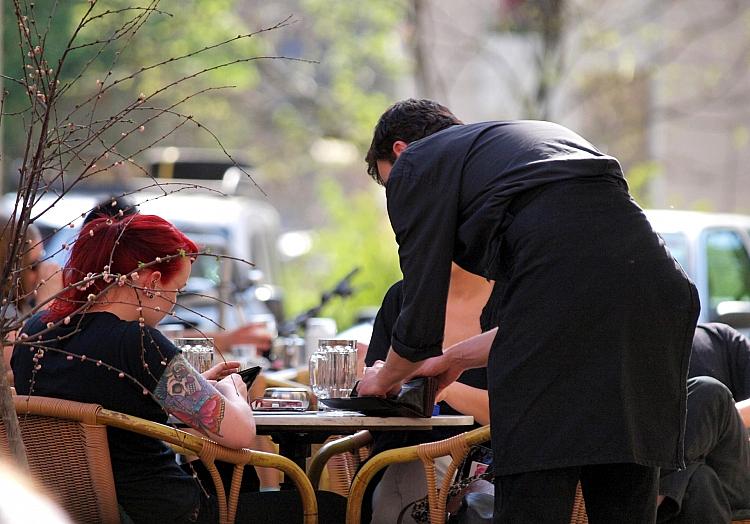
(198, 351)
(333, 368)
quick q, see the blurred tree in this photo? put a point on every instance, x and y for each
(647, 80)
(304, 124)
(359, 235)
(164, 35)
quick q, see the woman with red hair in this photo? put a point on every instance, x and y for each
(98, 343)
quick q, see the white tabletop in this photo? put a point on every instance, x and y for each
(320, 421)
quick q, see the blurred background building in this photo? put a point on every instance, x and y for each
(660, 84)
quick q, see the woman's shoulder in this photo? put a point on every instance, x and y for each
(127, 334)
(35, 323)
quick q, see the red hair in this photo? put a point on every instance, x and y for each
(124, 244)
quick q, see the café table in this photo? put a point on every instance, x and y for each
(295, 432)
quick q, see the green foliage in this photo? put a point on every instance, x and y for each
(639, 177)
(359, 235)
(276, 112)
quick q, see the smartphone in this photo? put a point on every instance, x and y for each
(249, 375)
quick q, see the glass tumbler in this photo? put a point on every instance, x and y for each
(333, 368)
(198, 351)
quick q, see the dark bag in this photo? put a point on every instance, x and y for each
(470, 497)
(476, 508)
(416, 399)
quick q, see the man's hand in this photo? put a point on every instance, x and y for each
(442, 368)
(252, 333)
(387, 379)
(371, 386)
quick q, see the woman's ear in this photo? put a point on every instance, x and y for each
(150, 283)
(155, 277)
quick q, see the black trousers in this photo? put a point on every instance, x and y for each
(716, 483)
(268, 507)
(614, 493)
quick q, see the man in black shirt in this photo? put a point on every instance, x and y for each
(587, 378)
(715, 485)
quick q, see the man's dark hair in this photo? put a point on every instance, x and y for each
(407, 120)
(111, 208)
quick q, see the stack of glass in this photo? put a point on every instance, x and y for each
(198, 351)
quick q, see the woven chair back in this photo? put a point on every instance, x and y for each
(68, 457)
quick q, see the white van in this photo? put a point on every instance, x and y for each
(714, 250)
(238, 226)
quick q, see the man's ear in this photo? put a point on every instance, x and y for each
(398, 147)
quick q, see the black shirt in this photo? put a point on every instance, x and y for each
(722, 352)
(596, 318)
(447, 198)
(150, 485)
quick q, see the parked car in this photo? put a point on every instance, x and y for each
(714, 250)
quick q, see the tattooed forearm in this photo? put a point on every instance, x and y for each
(184, 393)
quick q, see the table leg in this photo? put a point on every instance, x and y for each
(296, 448)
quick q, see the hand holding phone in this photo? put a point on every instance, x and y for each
(249, 375)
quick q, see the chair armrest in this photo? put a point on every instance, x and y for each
(209, 451)
(342, 445)
(408, 454)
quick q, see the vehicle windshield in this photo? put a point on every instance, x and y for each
(678, 245)
(728, 267)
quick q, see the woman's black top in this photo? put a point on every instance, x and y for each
(595, 317)
(150, 485)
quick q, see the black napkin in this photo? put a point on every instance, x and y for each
(415, 399)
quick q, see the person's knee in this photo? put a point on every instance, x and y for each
(708, 389)
(705, 500)
(707, 397)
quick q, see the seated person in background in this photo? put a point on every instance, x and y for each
(715, 486)
(98, 344)
(403, 484)
(39, 280)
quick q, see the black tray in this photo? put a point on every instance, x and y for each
(372, 406)
(415, 399)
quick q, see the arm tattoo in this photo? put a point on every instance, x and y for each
(184, 393)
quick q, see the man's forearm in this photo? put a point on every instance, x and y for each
(396, 369)
(743, 407)
(473, 352)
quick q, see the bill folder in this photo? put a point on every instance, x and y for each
(416, 399)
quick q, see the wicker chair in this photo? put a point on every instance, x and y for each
(66, 445)
(456, 447)
(341, 457)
